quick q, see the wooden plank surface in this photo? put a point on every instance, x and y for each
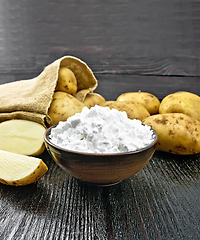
(112, 85)
(152, 46)
(159, 202)
(147, 37)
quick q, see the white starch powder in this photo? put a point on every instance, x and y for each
(101, 130)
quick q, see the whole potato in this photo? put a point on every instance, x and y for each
(148, 100)
(93, 99)
(63, 105)
(181, 102)
(178, 133)
(66, 81)
(134, 110)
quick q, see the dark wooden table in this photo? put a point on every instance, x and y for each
(151, 46)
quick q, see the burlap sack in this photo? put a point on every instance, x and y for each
(30, 99)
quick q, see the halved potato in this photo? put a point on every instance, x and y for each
(20, 170)
(22, 136)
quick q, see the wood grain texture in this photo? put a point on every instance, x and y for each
(148, 37)
(159, 202)
(112, 85)
(151, 46)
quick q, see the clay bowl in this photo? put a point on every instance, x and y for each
(100, 169)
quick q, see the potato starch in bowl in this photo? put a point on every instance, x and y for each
(101, 130)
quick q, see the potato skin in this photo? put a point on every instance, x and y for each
(31, 178)
(134, 110)
(148, 100)
(178, 133)
(63, 105)
(93, 99)
(66, 81)
(181, 102)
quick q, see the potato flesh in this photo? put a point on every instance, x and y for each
(22, 136)
(17, 169)
(177, 133)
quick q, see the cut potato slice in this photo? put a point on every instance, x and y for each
(20, 170)
(22, 136)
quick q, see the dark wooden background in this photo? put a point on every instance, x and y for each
(126, 42)
(149, 45)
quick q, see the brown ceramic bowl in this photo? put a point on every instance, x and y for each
(100, 169)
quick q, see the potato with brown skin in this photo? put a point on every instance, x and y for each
(177, 133)
(64, 105)
(93, 99)
(148, 100)
(181, 102)
(134, 110)
(66, 81)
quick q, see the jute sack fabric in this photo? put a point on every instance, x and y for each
(30, 99)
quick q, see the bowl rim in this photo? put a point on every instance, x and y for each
(48, 130)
